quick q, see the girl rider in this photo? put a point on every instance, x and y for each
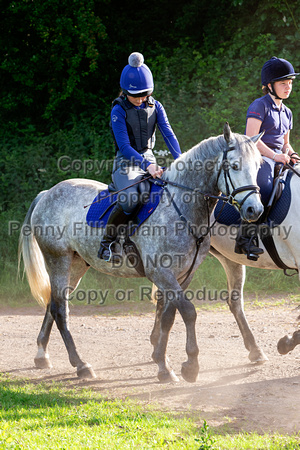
(270, 115)
(134, 117)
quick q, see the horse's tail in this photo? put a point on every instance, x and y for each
(34, 263)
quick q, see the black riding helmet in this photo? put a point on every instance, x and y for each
(276, 69)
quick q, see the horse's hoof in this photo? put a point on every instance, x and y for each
(189, 372)
(285, 345)
(86, 371)
(258, 356)
(43, 363)
(167, 377)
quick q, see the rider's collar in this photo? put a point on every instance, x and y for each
(274, 105)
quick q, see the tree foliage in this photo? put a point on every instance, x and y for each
(62, 59)
(201, 90)
(49, 50)
(61, 63)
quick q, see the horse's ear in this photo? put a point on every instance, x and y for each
(257, 137)
(227, 133)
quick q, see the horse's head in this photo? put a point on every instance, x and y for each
(237, 173)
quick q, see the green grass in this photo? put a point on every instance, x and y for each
(249, 441)
(51, 416)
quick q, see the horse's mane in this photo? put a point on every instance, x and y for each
(208, 149)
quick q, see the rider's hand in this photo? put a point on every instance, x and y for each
(282, 158)
(295, 158)
(155, 171)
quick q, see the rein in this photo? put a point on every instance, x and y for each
(294, 156)
(116, 192)
(292, 169)
(198, 239)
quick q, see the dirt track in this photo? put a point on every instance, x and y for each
(229, 390)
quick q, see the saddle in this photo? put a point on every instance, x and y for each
(103, 203)
(273, 215)
(278, 185)
(99, 212)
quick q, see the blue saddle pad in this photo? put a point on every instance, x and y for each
(230, 216)
(103, 203)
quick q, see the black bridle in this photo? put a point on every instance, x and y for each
(230, 196)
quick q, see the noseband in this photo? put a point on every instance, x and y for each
(225, 166)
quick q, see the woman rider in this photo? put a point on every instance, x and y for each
(134, 116)
(269, 114)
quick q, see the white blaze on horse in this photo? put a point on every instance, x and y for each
(283, 254)
(55, 263)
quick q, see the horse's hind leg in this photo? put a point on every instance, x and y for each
(60, 277)
(42, 360)
(235, 278)
(60, 313)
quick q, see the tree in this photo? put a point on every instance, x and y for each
(49, 53)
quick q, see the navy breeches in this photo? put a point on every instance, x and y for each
(134, 196)
(265, 182)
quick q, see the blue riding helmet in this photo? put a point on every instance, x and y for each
(277, 69)
(136, 78)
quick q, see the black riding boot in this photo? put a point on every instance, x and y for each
(247, 241)
(117, 217)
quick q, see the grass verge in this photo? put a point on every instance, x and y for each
(51, 416)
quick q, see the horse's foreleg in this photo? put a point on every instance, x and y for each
(172, 298)
(159, 338)
(190, 368)
(42, 360)
(158, 313)
(236, 278)
(165, 371)
(154, 337)
(288, 343)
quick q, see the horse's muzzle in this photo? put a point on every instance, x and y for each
(251, 213)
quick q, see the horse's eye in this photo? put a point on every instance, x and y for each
(235, 166)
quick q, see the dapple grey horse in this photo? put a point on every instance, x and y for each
(287, 242)
(56, 261)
